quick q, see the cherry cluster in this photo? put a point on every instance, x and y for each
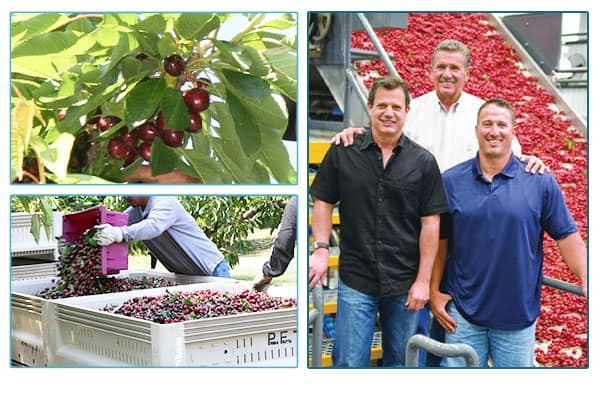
(495, 71)
(181, 306)
(80, 274)
(128, 144)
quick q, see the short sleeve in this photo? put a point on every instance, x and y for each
(325, 184)
(433, 196)
(556, 219)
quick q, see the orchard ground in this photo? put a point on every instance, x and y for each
(249, 266)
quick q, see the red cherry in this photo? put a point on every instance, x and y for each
(117, 149)
(196, 99)
(131, 156)
(145, 150)
(62, 114)
(128, 137)
(148, 132)
(105, 123)
(160, 120)
(195, 123)
(173, 65)
(172, 137)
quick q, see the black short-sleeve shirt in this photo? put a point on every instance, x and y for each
(380, 210)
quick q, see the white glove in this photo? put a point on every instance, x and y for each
(107, 234)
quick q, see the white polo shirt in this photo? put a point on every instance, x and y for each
(449, 136)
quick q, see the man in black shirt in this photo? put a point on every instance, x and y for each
(390, 196)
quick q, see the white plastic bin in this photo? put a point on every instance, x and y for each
(23, 242)
(79, 334)
(27, 336)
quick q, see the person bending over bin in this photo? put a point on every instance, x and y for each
(490, 255)
(170, 233)
(390, 195)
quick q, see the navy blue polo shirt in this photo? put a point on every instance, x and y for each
(494, 266)
(380, 210)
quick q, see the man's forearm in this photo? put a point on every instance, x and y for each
(428, 247)
(439, 265)
(574, 253)
(321, 221)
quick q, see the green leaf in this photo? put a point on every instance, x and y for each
(107, 36)
(126, 45)
(245, 125)
(260, 174)
(155, 24)
(195, 27)
(143, 100)
(60, 153)
(284, 64)
(166, 46)
(21, 129)
(202, 167)
(243, 57)
(133, 69)
(42, 66)
(164, 158)
(286, 21)
(77, 115)
(257, 97)
(174, 110)
(47, 216)
(275, 157)
(26, 26)
(56, 44)
(35, 228)
(228, 146)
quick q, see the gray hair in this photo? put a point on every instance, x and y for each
(452, 45)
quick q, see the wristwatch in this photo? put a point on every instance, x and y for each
(318, 245)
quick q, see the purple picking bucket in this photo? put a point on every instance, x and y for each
(114, 257)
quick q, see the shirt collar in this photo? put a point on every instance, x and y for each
(452, 107)
(368, 141)
(509, 170)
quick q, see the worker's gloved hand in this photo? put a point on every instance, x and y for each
(260, 282)
(107, 234)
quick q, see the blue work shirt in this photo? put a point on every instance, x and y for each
(494, 265)
(173, 236)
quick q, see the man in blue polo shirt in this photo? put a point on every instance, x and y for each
(491, 253)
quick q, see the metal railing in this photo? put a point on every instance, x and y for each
(443, 350)
(315, 320)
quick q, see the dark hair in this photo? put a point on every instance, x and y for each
(500, 103)
(452, 45)
(389, 83)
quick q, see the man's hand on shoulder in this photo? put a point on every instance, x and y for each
(534, 164)
(346, 137)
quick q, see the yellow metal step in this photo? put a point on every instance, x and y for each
(317, 151)
(329, 302)
(335, 218)
(327, 349)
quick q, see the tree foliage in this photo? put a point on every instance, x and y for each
(70, 70)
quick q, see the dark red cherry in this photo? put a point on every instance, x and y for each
(197, 99)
